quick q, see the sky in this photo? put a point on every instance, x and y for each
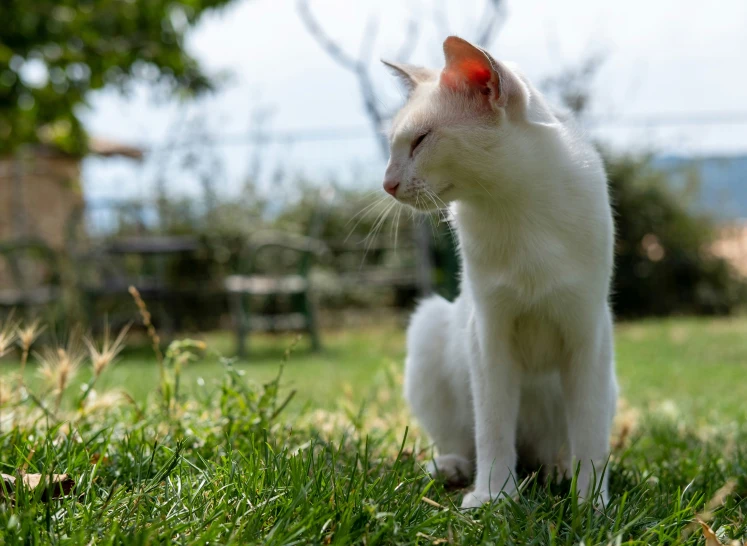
(667, 60)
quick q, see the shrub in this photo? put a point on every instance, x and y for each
(663, 263)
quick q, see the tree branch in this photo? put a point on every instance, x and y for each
(493, 18)
(441, 18)
(329, 45)
(367, 42)
(359, 67)
(412, 33)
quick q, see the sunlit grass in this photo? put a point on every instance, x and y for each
(224, 460)
(699, 364)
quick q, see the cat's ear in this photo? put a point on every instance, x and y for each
(470, 68)
(409, 75)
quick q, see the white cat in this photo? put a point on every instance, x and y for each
(522, 361)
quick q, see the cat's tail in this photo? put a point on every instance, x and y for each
(429, 326)
(437, 386)
(426, 345)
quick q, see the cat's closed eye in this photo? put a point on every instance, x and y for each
(418, 141)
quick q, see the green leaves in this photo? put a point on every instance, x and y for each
(53, 53)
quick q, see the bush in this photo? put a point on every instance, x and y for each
(663, 263)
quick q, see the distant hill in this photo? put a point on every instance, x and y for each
(723, 188)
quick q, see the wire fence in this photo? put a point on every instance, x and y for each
(330, 134)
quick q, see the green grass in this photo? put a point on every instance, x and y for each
(221, 465)
(699, 365)
(349, 365)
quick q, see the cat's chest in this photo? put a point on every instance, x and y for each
(528, 308)
(523, 267)
(519, 283)
(537, 343)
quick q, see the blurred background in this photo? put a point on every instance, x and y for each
(225, 157)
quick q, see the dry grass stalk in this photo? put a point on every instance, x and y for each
(59, 366)
(26, 337)
(7, 334)
(106, 401)
(102, 358)
(6, 394)
(145, 314)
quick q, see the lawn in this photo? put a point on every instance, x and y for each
(695, 365)
(227, 461)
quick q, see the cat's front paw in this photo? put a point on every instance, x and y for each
(556, 473)
(454, 470)
(475, 499)
(599, 501)
(586, 487)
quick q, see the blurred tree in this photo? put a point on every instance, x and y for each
(485, 32)
(663, 261)
(54, 52)
(572, 85)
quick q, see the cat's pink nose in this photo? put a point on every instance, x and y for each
(390, 186)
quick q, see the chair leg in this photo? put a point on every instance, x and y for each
(240, 321)
(240, 342)
(312, 324)
(89, 309)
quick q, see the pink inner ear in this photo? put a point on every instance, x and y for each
(471, 71)
(475, 72)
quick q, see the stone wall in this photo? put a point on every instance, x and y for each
(41, 205)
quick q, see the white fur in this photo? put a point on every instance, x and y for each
(522, 362)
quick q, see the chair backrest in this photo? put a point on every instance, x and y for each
(134, 260)
(277, 253)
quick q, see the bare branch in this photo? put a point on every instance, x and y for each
(359, 67)
(572, 85)
(373, 109)
(368, 41)
(492, 18)
(317, 32)
(412, 33)
(441, 18)
(488, 28)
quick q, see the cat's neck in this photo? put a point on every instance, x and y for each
(515, 199)
(489, 233)
(557, 207)
(539, 201)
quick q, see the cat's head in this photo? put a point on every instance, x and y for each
(455, 120)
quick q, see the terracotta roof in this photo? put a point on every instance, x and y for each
(109, 148)
(731, 245)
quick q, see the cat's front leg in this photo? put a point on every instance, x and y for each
(496, 387)
(590, 392)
